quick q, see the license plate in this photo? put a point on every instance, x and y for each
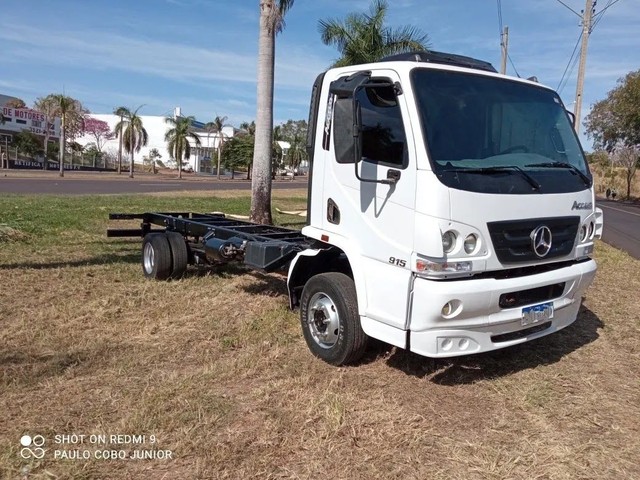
(537, 313)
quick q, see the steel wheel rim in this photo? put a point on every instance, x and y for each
(149, 258)
(323, 320)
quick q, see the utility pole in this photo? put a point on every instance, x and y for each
(505, 47)
(586, 30)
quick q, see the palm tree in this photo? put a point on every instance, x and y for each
(71, 115)
(249, 128)
(297, 151)
(134, 135)
(363, 38)
(272, 14)
(47, 106)
(216, 126)
(177, 138)
(120, 112)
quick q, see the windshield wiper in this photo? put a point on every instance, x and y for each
(501, 168)
(568, 166)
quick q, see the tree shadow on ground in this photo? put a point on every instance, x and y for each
(84, 262)
(486, 366)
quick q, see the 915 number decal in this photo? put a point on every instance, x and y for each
(397, 261)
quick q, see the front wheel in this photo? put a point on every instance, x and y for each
(330, 319)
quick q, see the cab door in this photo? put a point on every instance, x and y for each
(371, 202)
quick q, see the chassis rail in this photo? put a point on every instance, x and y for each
(264, 247)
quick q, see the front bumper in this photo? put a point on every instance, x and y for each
(478, 323)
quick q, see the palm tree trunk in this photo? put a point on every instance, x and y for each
(179, 157)
(62, 144)
(219, 156)
(261, 181)
(131, 149)
(120, 149)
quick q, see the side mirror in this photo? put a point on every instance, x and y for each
(344, 135)
(572, 117)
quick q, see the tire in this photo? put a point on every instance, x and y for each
(156, 256)
(179, 254)
(330, 320)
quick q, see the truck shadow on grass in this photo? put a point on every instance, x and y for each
(487, 366)
(267, 285)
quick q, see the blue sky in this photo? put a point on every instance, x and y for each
(201, 54)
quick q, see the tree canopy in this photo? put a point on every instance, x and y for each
(99, 130)
(615, 121)
(614, 125)
(364, 38)
(16, 103)
(295, 133)
(28, 143)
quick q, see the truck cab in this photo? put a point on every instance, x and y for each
(451, 208)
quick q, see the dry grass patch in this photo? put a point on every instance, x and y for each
(215, 366)
(8, 234)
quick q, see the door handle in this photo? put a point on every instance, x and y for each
(393, 176)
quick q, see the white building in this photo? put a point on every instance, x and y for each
(203, 159)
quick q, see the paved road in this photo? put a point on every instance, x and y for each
(621, 226)
(88, 186)
(621, 221)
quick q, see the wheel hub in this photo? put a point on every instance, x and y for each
(323, 320)
(149, 258)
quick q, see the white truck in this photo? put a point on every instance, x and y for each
(450, 211)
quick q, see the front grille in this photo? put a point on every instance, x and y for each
(531, 296)
(506, 337)
(512, 239)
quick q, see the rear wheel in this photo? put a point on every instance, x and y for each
(330, 320)
(179, 254)
(156, 256)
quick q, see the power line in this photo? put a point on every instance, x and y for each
(570, 59)
(567, 6)
(600, 14)
(566, 80)
(514, 67)
(609, 4)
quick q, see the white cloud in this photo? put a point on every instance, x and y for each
(175, 61)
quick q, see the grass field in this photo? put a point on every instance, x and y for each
(215, 367)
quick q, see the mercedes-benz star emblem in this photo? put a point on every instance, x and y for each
(541, 240)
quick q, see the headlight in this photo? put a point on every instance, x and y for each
(583, 233)
(592, 229)
(448, 241)
(470, 243)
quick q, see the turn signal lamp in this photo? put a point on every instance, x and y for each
(444, 268)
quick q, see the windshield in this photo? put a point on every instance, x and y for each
(494, 135)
